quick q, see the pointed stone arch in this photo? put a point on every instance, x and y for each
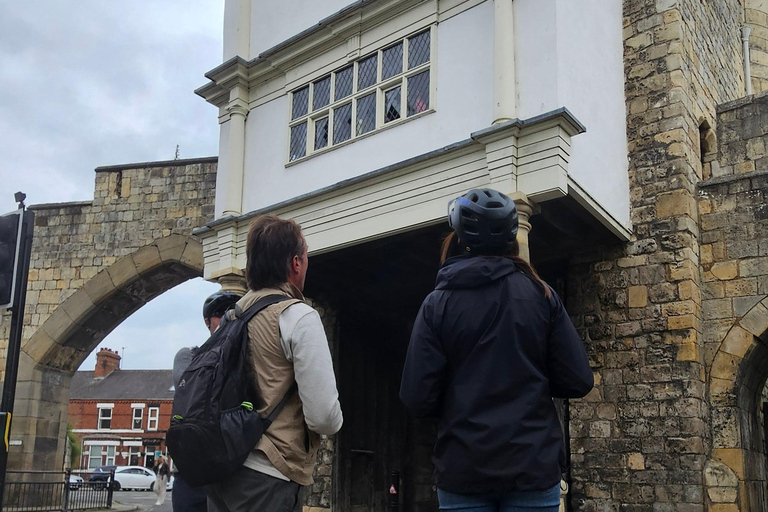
(736, 473)
(57, 348)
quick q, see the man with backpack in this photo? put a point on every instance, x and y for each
(291, 371)
(186, 498)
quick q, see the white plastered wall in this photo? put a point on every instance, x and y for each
(463, 66)
(570, 54)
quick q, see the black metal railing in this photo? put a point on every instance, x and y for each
(59, 491)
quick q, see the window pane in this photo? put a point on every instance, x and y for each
(366, 114)
(392, 104)
(343, 83)
(366, 72)
(418, 49)
(392, 61)
(418, 93)
(321, 133)
(300, 102)
(298, 142)
(321, 95)
(342, 123)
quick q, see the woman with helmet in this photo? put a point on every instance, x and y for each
(490, 348)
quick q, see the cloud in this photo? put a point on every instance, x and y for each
(93, 83)
(150, 338)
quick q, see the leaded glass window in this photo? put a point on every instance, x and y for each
(418, 49)
(321, 133)
(392, 61)
(298, 141)
(392, 104)
(343, 83)
(385, 87)
(300, 103)
(366, 72)
(342, 123)
(321, 93)
(366, 114)
(418, 93)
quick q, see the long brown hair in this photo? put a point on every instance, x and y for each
(451, 248)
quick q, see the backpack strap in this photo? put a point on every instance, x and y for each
(281, 404)
(260, 304)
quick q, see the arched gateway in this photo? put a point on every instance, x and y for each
(94, 264)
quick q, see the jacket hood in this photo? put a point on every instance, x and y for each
(472, 271)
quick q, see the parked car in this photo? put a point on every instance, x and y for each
(136, 477)
(75, 482)
(100, 476)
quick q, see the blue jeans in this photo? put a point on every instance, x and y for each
(547, 500)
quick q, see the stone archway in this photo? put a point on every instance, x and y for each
(58, 347)
(736, 474)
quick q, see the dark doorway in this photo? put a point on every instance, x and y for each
(376, 290)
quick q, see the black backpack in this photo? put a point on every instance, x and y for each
(213, 423)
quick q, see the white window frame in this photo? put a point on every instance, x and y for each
(380, 87)
(94, 452)
(140, 418)
(103, 417)
(153, 416)
(110, 453)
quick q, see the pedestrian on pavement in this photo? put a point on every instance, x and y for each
(287, 348)
(184, 497)
(490, 348)
(163, 474)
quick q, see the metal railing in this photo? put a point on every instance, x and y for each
(55, 491)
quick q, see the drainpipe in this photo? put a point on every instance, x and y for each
(745, 31)
(503, 61)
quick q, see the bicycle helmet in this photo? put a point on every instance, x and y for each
(218, 304)
(483, 219)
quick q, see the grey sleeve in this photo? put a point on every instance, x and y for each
(180, 362)
(306, 346)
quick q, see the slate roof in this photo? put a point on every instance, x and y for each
(123, 385)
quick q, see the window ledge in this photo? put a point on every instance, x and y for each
(386, 127)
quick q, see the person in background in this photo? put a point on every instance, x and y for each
(490, 348)
(163, 474)
(184, 497)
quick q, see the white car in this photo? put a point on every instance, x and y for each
(75, 482)
(136, 477)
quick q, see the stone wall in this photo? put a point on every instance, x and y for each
(734, 262)
(756, 15)
(640, 440)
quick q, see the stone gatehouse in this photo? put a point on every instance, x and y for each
(672, 304)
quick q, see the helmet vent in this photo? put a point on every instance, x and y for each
(494, 204)
(474, 198)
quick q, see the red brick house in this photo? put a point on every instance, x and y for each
(120, 417)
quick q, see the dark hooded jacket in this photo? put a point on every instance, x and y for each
(488, 352)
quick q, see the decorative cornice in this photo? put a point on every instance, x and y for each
(560, 117)
(331, 31)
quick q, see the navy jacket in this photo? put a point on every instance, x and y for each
(488, 352)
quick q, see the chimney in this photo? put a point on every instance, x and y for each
(107, 361)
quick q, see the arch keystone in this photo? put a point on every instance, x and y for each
(171, 247)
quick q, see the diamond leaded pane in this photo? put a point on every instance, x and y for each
(418, 49)
(298, 141)
(366, 114)
(300, 103)
(392, 104)
(321, 93)
(342, 123)
(366, 72)
(392, 61)
(321, 133)
(343, 83)
(418, 93)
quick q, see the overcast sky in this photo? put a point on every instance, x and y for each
(87, 83)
